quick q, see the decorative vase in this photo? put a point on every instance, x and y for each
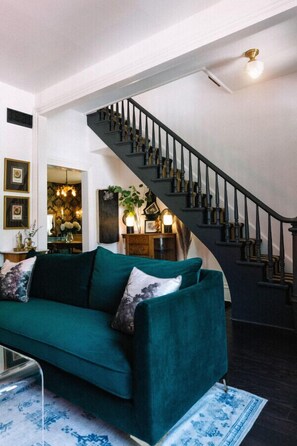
(69, 237)
(29, 244)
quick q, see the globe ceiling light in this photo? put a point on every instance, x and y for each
(254, 67)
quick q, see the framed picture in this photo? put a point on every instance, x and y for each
(16, 213)
(16, 175)
(150, 226)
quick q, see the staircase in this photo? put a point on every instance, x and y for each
(253, 244)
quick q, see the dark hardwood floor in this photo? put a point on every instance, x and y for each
(263, 360)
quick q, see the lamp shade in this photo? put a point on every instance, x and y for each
(130, 219)
(254, 68)
(167, 220)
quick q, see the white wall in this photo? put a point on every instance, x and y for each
(16, 143)
(250, 134)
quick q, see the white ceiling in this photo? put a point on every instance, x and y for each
(46, 41)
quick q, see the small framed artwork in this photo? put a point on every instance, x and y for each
(16, 175)
(16, 213)
(150, 226)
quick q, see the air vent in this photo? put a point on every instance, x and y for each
(19, 118)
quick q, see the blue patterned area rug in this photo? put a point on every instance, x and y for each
(217, 419)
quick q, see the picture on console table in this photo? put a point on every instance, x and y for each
(16, 213)
(150, 226)
(16, 175)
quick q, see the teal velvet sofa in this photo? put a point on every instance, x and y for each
(141, 383)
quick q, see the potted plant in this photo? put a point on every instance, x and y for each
(131, 200)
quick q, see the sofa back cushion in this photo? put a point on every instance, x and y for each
(111, 273)
(63, 277)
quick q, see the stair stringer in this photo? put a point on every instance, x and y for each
(253, 299)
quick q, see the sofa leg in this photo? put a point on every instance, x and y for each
(140, 442)
(143, 443)
(225, 385)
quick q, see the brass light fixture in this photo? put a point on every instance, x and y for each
(254, 67)
(65, 188)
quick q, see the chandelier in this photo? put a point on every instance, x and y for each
(65, 188)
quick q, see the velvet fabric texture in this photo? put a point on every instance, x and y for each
(180, 352)
(112, 271)
(78, 340)
(63, 277)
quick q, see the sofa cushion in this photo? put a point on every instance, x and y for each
(111, 273)
(77, 340)
(140, 287)
(15, 280)
(63, 277)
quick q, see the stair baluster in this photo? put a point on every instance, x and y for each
(258, 236)
(167, 159)
(270, 252)
(182, 170)
(226, 207)
(140, 141)
(154, 150)
(198, 196)
(123, 123)
(146, 142)
(190, 184)
(207, 197)
(174, 178)
(236, 218)
(218, 209)
(160, 167)
(111, 121)
(247, 246)
(281, 254)
(117, 124)
(134, 142)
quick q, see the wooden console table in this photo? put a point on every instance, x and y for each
(17, 256)
(155, 245)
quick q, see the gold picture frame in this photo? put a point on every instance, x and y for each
(16, 175)
(16, 212)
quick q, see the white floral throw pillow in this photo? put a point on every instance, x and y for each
(15, 279)
(140, 286)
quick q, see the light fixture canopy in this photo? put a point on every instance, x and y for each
(65, 188)
(254, 67)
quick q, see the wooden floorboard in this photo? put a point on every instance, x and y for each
(263, 360)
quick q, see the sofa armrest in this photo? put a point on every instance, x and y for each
(179, 350)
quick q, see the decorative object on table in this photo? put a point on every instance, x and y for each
(108, 216)
(184, 237)
(167, 220)
(29, 234)
(131, 200)
(68, 229)
(66, 189)
(16, 212)
(151, 211)
(218, 418)
(19, 242)
(16, 175)
(150, 226)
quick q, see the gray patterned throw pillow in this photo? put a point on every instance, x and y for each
(14, 279)
(140, 286)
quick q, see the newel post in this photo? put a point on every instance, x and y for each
(293, 230)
